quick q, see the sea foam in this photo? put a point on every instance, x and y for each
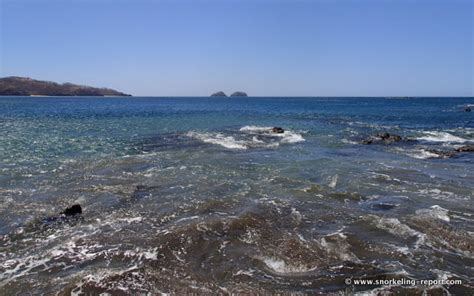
(249, 137)
(218, 139)
(441, 137)
(286, 137)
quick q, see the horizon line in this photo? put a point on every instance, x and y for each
(241, 97)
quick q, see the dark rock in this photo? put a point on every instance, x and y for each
(68, 215)
(239, 94)
(389, 137)
(278, 130)
(467, 109)
(382, 137)
(368, 141)
(467, 148)
(73, 210)
(219, 94)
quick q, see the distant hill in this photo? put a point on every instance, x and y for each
(23, 86)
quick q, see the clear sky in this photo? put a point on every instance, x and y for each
(281, 48)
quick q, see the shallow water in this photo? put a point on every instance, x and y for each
(196, 195)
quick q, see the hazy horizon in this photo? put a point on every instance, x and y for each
(265, 48)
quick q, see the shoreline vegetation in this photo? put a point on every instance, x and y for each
(25, 86)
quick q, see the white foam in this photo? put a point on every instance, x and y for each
(436, 212)
(333, 182)
(256, 129)
(218, 139)
(346, 141)
(423, 154)
(260, 137)
(286, 137)
(441, 137)
(418, 153)
(436, 193)
(395, 227)
(336, 244)
(280, 266)
(290, 137)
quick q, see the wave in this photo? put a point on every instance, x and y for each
(346, 141)
(286, 137)
(423, 154)
(436, 212)
(281, 267)
(218, 139)
(397, 228)
(256, 129)
(250, 137)
(442, 137)
(418, 153)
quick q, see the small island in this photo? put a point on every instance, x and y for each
(239, 94)
(24, 86)
(219, 94)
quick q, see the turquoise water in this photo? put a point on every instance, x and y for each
(196, 195)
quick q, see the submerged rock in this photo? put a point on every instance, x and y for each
(239, 94)
(467, 109)
(382, 137)
(382, 206)
(219, 94)
(278, 130)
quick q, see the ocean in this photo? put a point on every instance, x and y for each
(198, 195)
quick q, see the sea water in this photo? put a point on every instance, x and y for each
(184, 195)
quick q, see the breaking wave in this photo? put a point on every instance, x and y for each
(249, 137)
(441, 137)
(419, 153)
(286, 137)
(218, 139)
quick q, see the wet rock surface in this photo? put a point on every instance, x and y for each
(384, 138)
(278, 130)
(467, 148)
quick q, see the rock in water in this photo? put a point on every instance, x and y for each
(278, 130)
(73, 210)
(382, 137)
(389, 137)
(219, 94)
(467, 109)
(68, 215)
(382, 206)
(239, 94)
(467, 148)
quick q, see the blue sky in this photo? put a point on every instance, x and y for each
(280, 48)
